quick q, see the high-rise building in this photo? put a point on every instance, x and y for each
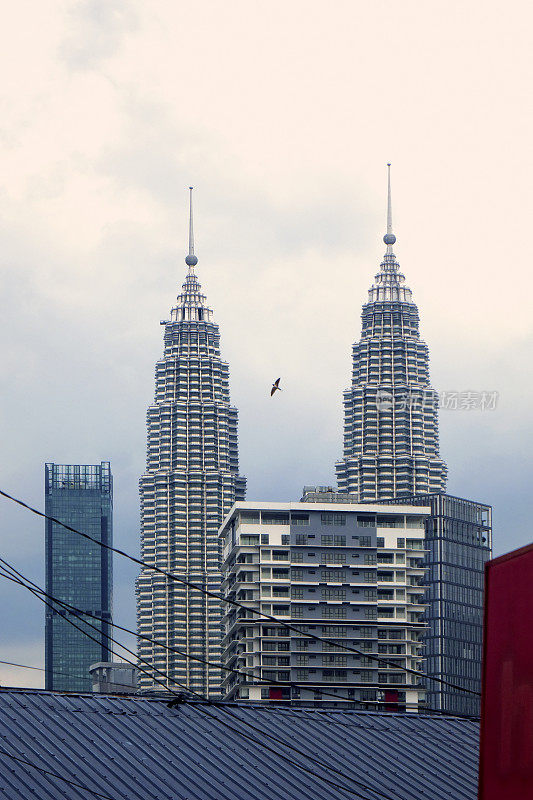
(349, 573)
(191, 481)
(78, 572)
(391, 453)
(457, 544)
(391, 442)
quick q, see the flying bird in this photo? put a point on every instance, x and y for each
(275, 387)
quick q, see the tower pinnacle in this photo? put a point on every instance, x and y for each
(191, 259)
(389, 237)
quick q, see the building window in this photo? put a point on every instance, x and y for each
(333, 575)
(334, 612)
(328, 518)
(280, 555)
(337, 661)
(299, 519)
(334, 674)
(333, 594)
(272, 518)
(264, 538)
(333, 540)
(333, 557)
(279, 572)
(334, 630)
(249, 517)
(248, 540)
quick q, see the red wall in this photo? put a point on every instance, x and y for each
(506, 747)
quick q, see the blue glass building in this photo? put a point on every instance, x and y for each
(458, 543)
(78, 572)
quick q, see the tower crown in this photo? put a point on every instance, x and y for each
(389, 283)
(191, 304)
(190, 259)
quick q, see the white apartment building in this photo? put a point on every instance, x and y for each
(348, 573)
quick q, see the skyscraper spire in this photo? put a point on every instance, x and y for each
(191, 259)
(389, 237)
(190, 483)
(395, 452)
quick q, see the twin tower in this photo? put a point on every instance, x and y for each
(391, 449)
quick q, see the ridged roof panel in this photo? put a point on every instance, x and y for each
(139, 749)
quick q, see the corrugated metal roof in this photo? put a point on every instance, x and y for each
(132, 748)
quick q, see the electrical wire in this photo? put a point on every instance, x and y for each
(286, 684)
(294, 763)
(262, 744)
(289, 684)
(37, 592)
(314, 760)
(107, 636)
(236, 603)
(55, 672)
(55, 775)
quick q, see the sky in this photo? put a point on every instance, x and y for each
(283, 116)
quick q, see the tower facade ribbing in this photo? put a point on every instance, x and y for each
(391, 439)
(191, 481)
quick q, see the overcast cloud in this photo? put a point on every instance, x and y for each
(283, 116)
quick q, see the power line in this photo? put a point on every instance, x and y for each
(262, 744)
(306, 755)
(286, 684)
(294, 763)
(38, 590)
(56, 672)
(236, 603)
(107, 636)
(55, 775)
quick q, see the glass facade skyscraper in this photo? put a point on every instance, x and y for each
(391, 441)
(78, 572)
(458, 544)
(191, 481)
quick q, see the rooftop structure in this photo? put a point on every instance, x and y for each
(391, 441)
(349, 575)
(191, 481)
(140, 749)
(110, 677)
